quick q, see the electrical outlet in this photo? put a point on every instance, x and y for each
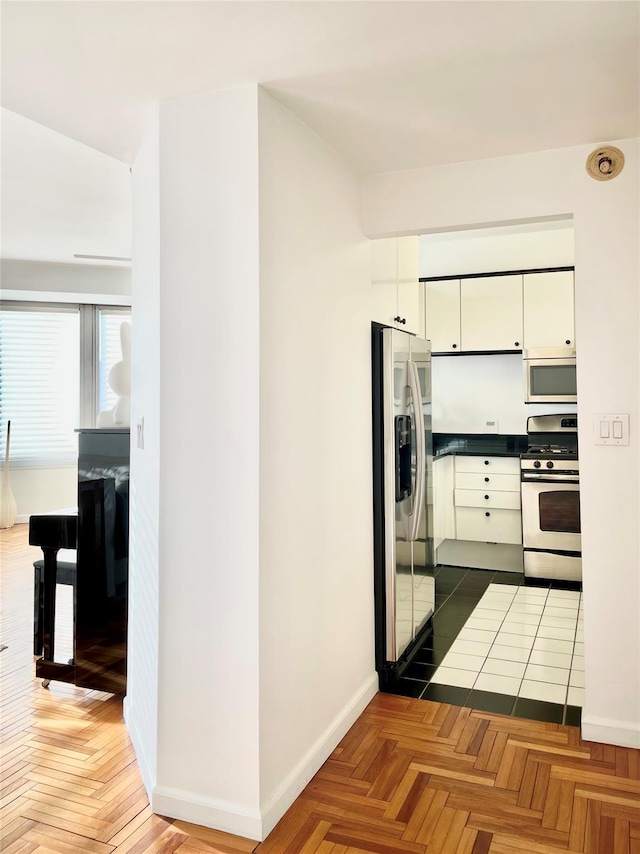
(491, 425)
(140, 433)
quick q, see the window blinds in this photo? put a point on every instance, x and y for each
(39, 383)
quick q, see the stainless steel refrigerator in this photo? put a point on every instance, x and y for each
(403, 503)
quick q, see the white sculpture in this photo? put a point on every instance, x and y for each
(120, 382)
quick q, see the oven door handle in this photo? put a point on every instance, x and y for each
(545, 478)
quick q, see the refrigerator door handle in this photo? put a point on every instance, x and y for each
(413, 380)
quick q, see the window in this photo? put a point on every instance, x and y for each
(54, 367)
(109, 351)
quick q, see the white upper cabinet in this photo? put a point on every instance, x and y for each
(491, 313)
(384, 268)
(394, 282)
(549, 310)
(442, 315)
(408, 284)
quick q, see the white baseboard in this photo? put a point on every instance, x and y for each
(207, 812)
(148, 776)
(237, 818)
(257, 824)
(505, 557)
(22, 520)
(604, 731)
(279, 802)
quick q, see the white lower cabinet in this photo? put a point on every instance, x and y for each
(488, 526)
(444, 522)
(488, 480)
(487, 499)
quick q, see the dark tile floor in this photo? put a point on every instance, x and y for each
(458, 591)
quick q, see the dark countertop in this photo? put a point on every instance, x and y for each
(478, 445)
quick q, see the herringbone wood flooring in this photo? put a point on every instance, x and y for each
(410, 776)
(70, 783)
(427, 778)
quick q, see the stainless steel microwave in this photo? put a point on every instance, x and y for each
(550, 375)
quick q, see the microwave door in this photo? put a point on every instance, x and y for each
(550, 381)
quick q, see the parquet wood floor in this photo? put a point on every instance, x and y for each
(410, 776)
(69, 781)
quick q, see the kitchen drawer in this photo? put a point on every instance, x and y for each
(500, 526)
(487, 499)
(488, 480)
(496, 465)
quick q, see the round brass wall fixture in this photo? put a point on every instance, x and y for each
(605, 163)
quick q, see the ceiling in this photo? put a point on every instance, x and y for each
(391, 85)
(60, 198)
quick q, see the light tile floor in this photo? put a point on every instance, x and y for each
(521, 641)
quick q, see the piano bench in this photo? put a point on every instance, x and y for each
(66, 574)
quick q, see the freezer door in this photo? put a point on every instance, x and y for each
(423, 581)
(399, 488)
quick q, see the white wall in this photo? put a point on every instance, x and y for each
(316, 580)
(44, 490)
(49, 282)
(199, 279)
(468, 391)
(488, 250)
(607, 231)
(141, 702)
(253, 569)
(60, 197)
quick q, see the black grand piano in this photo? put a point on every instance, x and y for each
(99, 532)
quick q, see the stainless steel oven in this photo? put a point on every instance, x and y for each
(550, 375)
(550, 491)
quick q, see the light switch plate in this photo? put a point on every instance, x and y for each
(140, 433)
(611, 428)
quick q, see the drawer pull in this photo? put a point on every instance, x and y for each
(487, 497)
(486, 462)
(486, 480)
(487, 513)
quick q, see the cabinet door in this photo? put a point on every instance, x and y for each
(488, 466)
(384, 266)
(442, 315)
(548, 310)
(408, 249)
(488, 480)
(487, 499)
(443, 508)
(491, 313)
(489, 526)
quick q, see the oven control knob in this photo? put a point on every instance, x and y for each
(549, 464)
(537, 464)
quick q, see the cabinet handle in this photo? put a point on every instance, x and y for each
(486, 462)
(486, 480)
(567, 341)
(487, 513)
(487, 497)
(399, 319)
(517, 343)
(454, 346)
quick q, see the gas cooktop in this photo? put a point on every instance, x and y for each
(545, 452)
